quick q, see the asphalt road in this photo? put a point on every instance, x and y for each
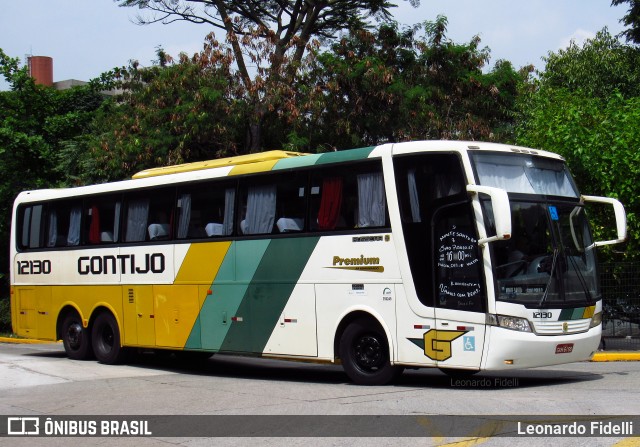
(40, 380)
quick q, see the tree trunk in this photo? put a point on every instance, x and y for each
(254, 134)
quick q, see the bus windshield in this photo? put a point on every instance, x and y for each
(526, 174)
(550, 259)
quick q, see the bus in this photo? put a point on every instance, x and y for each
(462, 256)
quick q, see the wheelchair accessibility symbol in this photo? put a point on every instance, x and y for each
(469, 343)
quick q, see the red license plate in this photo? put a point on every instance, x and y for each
(564, 348)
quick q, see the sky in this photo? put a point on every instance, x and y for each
(88, 37)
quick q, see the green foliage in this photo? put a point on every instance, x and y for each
(571, 111)
(601, 67)
(5, 316)
(395, 84)
(631, 19)
(271, 37)
(181, 112)
(35, 124)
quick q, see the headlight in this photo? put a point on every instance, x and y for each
(514, 323)
(596, 320)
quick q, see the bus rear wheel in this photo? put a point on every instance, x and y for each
(105, 337)
(75, 338)
(364, 352)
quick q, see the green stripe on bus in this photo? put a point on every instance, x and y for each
(267, 295)
(343, 156)
(297, 162)
(228, 290)
(571, 314)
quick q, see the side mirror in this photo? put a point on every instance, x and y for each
(621, 218)
(501, 211)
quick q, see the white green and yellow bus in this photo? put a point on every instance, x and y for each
(462, 256)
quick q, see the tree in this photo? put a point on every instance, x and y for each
(600, 67)
(285, 28)
(585, 106)
(36, 123)
(631, 19)
(394, 84)
(171, 113)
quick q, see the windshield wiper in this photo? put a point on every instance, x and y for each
(552, 272)
(581, 279)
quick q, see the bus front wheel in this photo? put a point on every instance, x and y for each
(75, 338)
(364, 352)
(105, 337)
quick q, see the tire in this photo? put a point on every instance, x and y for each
(364, 352)
(75, 338)
(105, 337)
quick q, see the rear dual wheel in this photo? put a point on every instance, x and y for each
(105, 338)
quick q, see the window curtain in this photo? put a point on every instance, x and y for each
(414, 199)
(547, 181)
(527, 180)
(330, 203)
(116, 222)
(371, 200)
(229, 204)
(75, 218)
(261, 209)
(94, 227)
(53, 229)
(185, 216)
(137, 217)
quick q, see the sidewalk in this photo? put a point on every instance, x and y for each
(600, 356)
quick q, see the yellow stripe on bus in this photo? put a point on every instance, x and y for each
(202, 263)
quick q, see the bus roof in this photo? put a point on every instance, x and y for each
(221, 162)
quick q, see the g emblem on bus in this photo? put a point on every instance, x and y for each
(437, 343)
(565, 327)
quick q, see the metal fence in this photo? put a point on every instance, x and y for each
(620, 283)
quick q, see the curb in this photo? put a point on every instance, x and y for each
(622, 356)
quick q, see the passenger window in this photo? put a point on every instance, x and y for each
(150, 215)
(102, 220)
(344, 199)
(64, 224)
(276, 204)
(205, 210)
(31, 227)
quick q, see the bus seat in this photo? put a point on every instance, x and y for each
(213, 229)
(288, 224)
(158, 231)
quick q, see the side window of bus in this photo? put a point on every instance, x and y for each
(273, 204)
(64, 224)
(150, 215)
(205, 210)
(421, 180)
(424, 183)
(348, 198)
(30, 229)
(102, 220)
